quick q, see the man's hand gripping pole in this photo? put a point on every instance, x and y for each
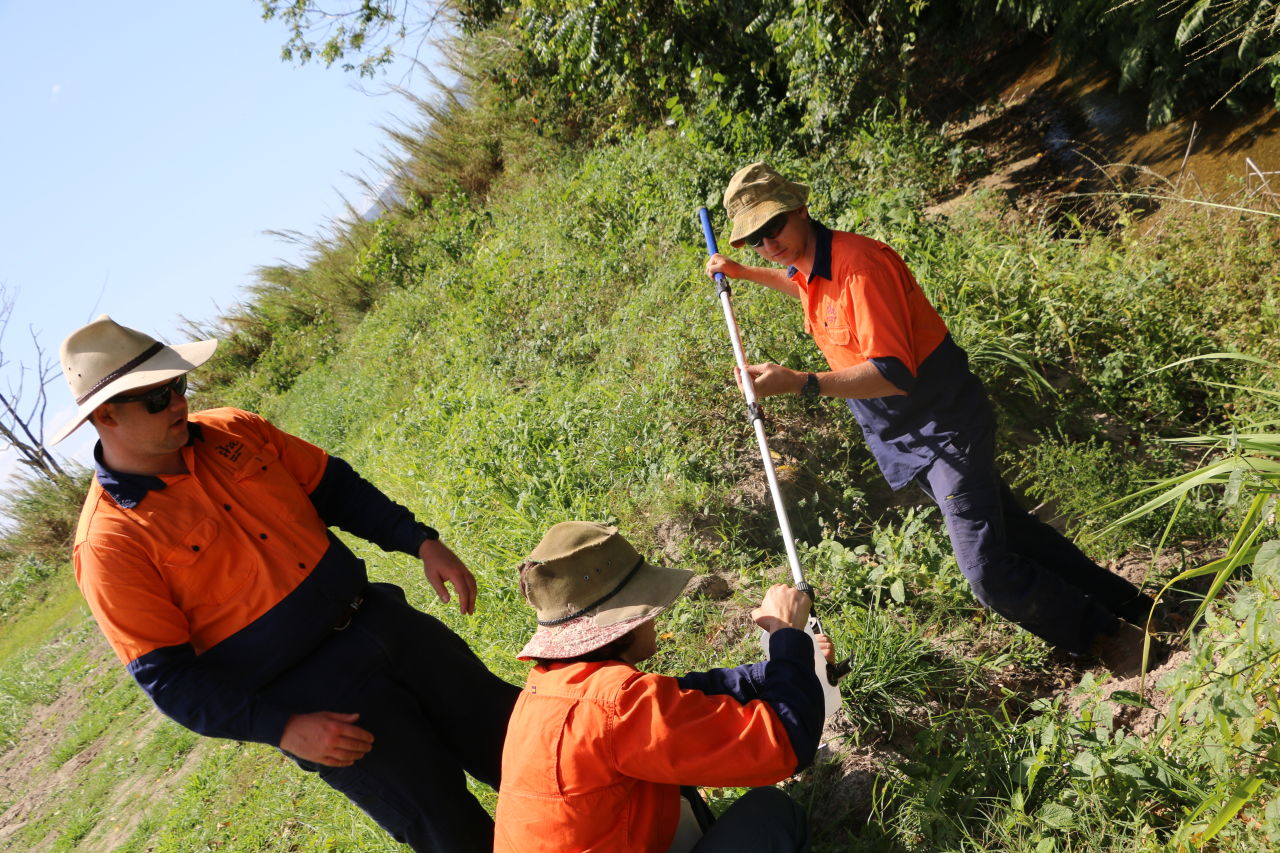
(756, 415)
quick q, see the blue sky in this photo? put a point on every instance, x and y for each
(147, 147)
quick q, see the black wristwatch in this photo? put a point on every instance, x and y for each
(810, 389)
(428, 533)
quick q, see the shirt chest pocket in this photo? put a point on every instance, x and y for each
(838, 335)
(268, 487)
(830, 322)
(198, 573)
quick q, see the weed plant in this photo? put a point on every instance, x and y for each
(41, 518)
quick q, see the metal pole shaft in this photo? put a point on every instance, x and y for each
(754, 411)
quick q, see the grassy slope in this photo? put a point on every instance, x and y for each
(556, 354)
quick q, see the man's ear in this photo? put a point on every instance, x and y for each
(102, 416)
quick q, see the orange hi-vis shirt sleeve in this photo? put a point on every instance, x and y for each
(864, 303)
(209, 551)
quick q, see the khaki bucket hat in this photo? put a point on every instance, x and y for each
(590, 587)
(756, 194)
(104, 359)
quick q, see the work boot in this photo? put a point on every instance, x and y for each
(1121, 650)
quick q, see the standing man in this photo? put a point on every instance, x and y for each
(205, 554)
(925, 416)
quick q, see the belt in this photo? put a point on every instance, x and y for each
(348, 613)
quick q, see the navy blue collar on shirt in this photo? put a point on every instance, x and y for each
(128, 490)
(821, 253)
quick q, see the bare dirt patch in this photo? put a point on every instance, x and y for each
(25, 775)
(1058, 140)
(33, 785)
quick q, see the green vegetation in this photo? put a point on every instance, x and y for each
(529, 339)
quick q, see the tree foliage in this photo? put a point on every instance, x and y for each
(808, 65)
(812, 64)
(361, 35)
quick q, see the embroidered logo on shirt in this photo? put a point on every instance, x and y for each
(231, 450)
(829, 309)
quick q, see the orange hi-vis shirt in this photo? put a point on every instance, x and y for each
(596, 753)
(861, 302)
(210, 584)
(209, 551)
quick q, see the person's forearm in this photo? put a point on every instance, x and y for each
(772, 277)
(860, 382)
(202, 700)
(345, 499)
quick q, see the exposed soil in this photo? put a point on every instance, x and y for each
(1060, 141)
(24, 772)
(31, 784)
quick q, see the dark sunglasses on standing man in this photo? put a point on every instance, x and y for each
(768, 231)
(157, 399)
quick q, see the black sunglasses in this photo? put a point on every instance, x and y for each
(768, 231)
(157, 399)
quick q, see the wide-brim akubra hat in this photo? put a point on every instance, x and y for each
(589, 587)
(104, 359)
(756, 194)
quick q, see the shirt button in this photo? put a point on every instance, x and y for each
(195, 547)
(227, 507)
(302, 565)
(262, 536)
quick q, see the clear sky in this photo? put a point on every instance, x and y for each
(147, 146)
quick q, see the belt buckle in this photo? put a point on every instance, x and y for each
(352, 607)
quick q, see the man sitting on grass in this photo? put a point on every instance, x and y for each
(598, 752)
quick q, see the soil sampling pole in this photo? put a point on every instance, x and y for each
(828, 674)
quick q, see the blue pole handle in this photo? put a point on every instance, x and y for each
(710, 236)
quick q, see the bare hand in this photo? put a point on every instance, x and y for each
(771, 379)
(326, 737)
(783, 607)
(440, 564)
(825, 646)
(718, 263)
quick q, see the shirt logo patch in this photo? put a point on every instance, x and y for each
(829, 310)
(231, 450)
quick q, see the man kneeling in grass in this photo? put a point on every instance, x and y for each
(601, 756)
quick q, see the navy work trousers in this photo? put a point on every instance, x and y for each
(763, 820)
(1017, 565)
(435, 712)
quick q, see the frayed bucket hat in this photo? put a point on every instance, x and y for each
(104, 359)
(589, 587)
(756, 194)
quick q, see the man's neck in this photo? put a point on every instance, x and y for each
(805, 262)
(141, 464)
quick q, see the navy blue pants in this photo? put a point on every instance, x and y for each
(1017, 565)
(434, 709)
(763, 820)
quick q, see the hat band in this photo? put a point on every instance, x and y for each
(120, 371)
(547, 623)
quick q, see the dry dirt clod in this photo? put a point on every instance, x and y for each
(711, 586)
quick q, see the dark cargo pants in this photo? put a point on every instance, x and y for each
(763, 820)
(433, 708)
(1017, 565)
